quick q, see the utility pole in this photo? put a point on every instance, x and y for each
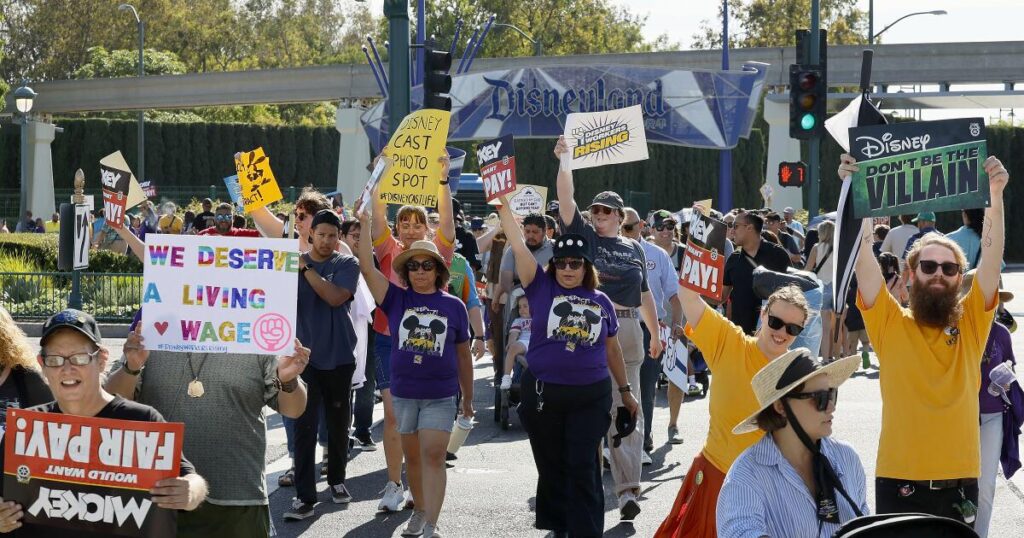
(725, 157)
(397, 12)
(814, 144)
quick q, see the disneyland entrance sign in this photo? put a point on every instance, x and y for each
(704, 109)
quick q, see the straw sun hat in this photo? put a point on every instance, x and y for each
(419, 248)
(783, 374)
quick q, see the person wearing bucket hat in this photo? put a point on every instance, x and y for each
(566, 390)
(929, 456)
(622, 267)
(797, 480)
(733, 357)
(430, 364)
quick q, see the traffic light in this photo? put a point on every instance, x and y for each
(807, 95)
(436, 80)
(792, 174)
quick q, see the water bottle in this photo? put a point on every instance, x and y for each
(1000, 376)
(463, 425)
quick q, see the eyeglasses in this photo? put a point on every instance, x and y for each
(562, 263)
(669, 225)
(78, 359)
(601, 210)
(354, 236)
(224, 218)
(821, 397)
(300, 216)
(426, 265)
(629, 227)
(730, 224)
(791, 328)
(929, 267)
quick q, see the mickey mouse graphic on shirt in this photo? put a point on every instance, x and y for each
(422, 331)
(575, 321)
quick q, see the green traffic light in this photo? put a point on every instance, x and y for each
(807, 122)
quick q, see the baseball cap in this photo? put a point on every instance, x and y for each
(72, 319)
(927, 216)
(788, 211)
(660, 216)
(476, 224)
(326, 216)
(608, 199)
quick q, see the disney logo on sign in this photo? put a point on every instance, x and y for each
(874, 147)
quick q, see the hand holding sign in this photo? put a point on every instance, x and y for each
(291, 366)
(418, 150)
(704, 257)
(497, 166)
(606, 137)
(998, 177)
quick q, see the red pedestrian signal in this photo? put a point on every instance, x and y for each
(792, 174)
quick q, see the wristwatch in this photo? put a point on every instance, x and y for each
(127, 369)
(286, 387)
(444, 181)
(304, 268)
(481, 338)
(625, 388)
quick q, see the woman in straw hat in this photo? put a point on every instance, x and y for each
(733, 358)
(430, 363)
(796, 481)
(567, 390)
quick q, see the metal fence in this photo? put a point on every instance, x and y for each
(110, 297)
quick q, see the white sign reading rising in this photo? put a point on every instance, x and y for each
(219, 294)
(606, 137)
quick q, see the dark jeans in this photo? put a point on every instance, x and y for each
(331, 389)
(565, 437)
(649, 371)
(363, 407)
(893, 495)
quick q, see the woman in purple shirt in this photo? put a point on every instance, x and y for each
(430, 363)
(997, 351)
(566, 390)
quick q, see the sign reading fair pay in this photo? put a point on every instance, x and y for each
(416, 149)
(497, 160)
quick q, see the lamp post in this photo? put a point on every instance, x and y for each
(141, 165)
(397, 12)
(725, 156)
(537, 48)
(871, 20)
(23, 98)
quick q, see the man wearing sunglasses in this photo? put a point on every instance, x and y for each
(223, 224)
(930, 354)
(753, 252)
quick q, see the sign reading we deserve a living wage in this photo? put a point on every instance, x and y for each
(219, 294)
(90, 474)
(497, 160)
(415, 151)
(704, 258)
(919, 166)
(605, 137)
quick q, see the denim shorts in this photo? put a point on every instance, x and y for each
(414, 415)
(382, 350)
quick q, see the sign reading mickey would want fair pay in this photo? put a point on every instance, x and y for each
(219, 294)
(497, 160)
(704, 258)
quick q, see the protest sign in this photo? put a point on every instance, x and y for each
(259, 187)
(497, 160)
(705, 206)
(673, 363)
(383, 163)
(219, 294)
(606, 137)
(766, 193)
(416, 149)
(527, 199)
(704, 257)
(121, 191)
(234, 191)
(920, 166)
(88, 474)
(148, 188)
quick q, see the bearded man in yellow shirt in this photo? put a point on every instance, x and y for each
(930, 355)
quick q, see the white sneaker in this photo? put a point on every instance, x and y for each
(506, 382)
(393, 498)
(431, 531)
(645, 458)
(416, 524)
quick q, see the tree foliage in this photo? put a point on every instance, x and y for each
(125, 63)
(773, 23)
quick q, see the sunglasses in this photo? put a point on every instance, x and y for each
(300, 216)
(791, 328)
(78, 359)
(929, 267)
(413, 265)
(629, 227)
(562, 263)
(665, 226)
(601, 210)
(224, 218)
(821, 397)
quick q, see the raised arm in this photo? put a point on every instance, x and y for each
(134, 243)
(268, 224)
(566, 190)
(693, 305)
(444, 203)
(869, 274)
(483, 243)
(993, 234)
(375, 280)
(380, 217)
(526, 264)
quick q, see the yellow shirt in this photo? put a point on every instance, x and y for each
(51, 227)
(929, 380)
(733, 358)
(170, 224)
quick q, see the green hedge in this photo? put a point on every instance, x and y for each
(41, 250)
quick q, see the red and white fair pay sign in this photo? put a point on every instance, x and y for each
(497, 166)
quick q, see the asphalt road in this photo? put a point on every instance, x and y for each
(491, 488)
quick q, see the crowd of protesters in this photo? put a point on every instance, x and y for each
(576, 307)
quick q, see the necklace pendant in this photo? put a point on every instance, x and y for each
(195, 388)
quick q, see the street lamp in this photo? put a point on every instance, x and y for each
(23, 98)
(141, 165)
(537, 49)
(871, 15)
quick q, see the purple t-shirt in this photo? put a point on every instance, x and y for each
(997, 351)
(424, 332)
(569, 327)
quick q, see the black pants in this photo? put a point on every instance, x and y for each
(331, 389)
(649, 371)
(893, 495)
(363, 406)
(565, 437)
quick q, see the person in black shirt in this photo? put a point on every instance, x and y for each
(73, 360)
(465, 242)
(21, 384)
(206, 218)
(752, 252)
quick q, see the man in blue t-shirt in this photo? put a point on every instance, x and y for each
(327, 281)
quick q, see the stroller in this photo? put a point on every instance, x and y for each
(908, 525)
(505, 400)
